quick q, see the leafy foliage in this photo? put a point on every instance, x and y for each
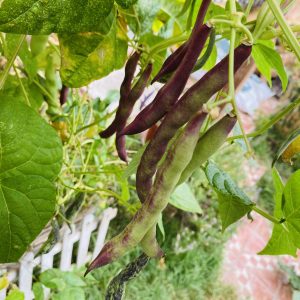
(285, 236)
(233, 202)
(266, 59)
(29, 165)
(102, 53)
(45, 17)
(77, 42)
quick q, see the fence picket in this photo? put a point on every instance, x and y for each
(80, 232)
(108, 215)
(89, 224)
(25, 274)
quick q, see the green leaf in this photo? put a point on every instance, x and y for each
(45, 17)
(285, 236)
(278, 186)
(291, 207)
(185, 7)
(15, 295)
(210, 63)
(70, 293)
(90, 56)
(133, 165)
(126, 3)
(145, 14)
(13, 90)
(31, 157)
(184, 199)
(29, 63)
(38, 291)
(267, 58)
(161, 226)
(233, 202)
(280, 243)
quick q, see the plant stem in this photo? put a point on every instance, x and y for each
(266, 215)
(270, 123)
(11, 61)
(232, 90)
(290, 36)
(22, 86)
(270, 34)
(43, 90)
(167, 43)
(249, 7)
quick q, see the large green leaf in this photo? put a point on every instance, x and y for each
(291, 207)
(126, 3)
(280, 243)
(184, 199)
(13, 90)
(100, 55)
(30, 159)
(285, 237)
(233, 202)
(47, 16)
(279, 187)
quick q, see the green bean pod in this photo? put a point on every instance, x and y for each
(150, 245)
(209, 144)
(178, 157)
(38, 44)
(52, 98)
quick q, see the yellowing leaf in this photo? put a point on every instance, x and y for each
(291, 150)
(4, 282)
(45, 17)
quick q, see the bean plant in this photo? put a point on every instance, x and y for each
(50, 50)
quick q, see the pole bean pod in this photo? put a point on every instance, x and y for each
(171, 63)
(178, 157)
(125, 110)
(191, 102)
(130, 69)
(174, 60)
(208, 144)
(171, 91)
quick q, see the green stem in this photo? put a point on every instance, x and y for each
(22, 86)
(167, 43)
(236, 25)
(266, 215)
(44, 90)
(269, 124)
(232, 90)
(11, 62)
(289, 35)
(270, 34)
(221, 102)
(249, 7)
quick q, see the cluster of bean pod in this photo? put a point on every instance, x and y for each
(176, 148)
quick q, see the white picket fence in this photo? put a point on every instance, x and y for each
(80, 232)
